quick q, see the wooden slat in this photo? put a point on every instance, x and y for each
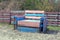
(58, 22)
(32, 17)
(17, 11)
(33, 11)
(6, 14)
(52, 15)
(28, 24)
(34, 14)
(52, 22)
(4, 18)
(52, 19)
(1, 16)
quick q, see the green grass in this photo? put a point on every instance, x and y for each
(53, 28)
(6, 24)
(11, 26)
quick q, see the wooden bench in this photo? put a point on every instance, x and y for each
(31, 19)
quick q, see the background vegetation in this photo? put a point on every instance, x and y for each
(46, 5)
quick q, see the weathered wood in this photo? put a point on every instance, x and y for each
(29, 24)
(5, 15)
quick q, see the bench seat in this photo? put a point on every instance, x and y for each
(29, 23)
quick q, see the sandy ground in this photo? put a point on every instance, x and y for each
(10, 34)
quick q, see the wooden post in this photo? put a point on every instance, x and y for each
(10, 18)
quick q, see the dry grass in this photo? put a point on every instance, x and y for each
(7, 33)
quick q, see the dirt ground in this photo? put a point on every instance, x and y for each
(10, 34)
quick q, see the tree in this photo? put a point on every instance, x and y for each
(38, 5)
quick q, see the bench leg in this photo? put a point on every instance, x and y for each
(15, 26)
(41, 29)
(44, 29)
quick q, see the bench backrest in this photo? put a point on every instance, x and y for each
(34, 14)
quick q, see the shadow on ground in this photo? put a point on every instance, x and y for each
(52, 31)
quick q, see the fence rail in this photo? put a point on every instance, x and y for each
(52, 17)
(6, 16)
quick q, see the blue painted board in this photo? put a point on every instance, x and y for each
(13, 22)
(26, 29)
(34, 15)
(19, 18)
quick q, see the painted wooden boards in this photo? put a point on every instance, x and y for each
(27, 29)
(29, 17)
(33, 11)
(5, 16)
(29, 23)
(53, 18)
(32, 14)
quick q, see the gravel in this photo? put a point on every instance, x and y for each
(10, 34)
